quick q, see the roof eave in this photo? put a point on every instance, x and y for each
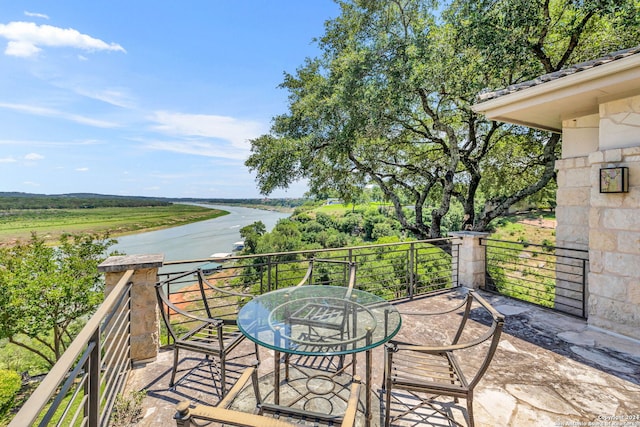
(546, 105)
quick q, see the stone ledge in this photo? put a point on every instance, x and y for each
(120, 263)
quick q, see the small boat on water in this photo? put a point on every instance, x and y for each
(238, 246)
(220, 256)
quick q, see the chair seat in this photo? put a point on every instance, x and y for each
(436, 370)
(205, 337)
(423, 372)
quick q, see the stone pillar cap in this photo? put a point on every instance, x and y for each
(468, 233)
(118, 263)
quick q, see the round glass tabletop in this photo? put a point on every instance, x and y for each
(319, 320)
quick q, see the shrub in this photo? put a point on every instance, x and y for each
(127, 410)
(10, 384)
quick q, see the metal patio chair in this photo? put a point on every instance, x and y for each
(440, 370)
(323, 316)
(191, 416)
(200, 329)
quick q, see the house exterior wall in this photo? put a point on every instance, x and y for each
(608, 224)
(580, 136)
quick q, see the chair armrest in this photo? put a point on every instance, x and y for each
(307, 274)
(435, 313)
(495, 314)
(352, 272)
(236, 418)
(247, 374)
(352, 405)
(217, 289)
(395, 346)
(166, 301)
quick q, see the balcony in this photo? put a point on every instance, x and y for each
(550, 368)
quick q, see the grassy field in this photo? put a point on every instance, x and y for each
(51, 223)
(536, 229)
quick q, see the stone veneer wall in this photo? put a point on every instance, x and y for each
(614, 246)
(606, 224)
(572, 210)
(572, 231)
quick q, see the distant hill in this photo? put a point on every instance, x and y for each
(15, 200)
(19, 200)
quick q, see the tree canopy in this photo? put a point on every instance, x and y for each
(388, 103)
(46, 292)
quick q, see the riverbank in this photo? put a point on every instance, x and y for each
(18, 225)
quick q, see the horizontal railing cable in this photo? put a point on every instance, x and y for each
(75, 375)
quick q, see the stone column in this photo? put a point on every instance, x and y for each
(145, 332)
(471, 259)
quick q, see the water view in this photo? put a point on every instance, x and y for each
(199, 239)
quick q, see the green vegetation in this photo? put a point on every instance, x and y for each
(127, 410)
(536, 228)
(264, 203)
(47, 292)
(336, 226)
(523, 266)
(10, 384)
(52, 223)
(315, 226)
(11, 201)
(387, 105)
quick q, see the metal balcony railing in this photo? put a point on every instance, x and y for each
(548, 276)
(392, 271)
(81, 388)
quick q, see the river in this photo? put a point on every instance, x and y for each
(198, 240)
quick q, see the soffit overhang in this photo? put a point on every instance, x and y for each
(546, 105)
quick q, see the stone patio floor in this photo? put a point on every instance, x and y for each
(549, 370)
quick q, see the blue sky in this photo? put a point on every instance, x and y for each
(148, 98)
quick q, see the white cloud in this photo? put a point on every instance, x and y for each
(117, 97)
(21, 49)
(48, 112)
(34, 156)
(7, 160)
(85, 169)
(27, 38)
(236, 131)
(199, 148)
(36, 15)
(43, 143)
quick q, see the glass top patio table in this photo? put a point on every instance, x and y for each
(319, 320)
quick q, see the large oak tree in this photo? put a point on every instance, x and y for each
(388, 103)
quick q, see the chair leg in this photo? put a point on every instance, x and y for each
(175, 367)
(286, 366)
(386, 385)
(223, 375)
(387, 406)
(470, 409)
(257, 354)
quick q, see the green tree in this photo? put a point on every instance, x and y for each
(251, 234)
(389, 100)
(47, 292)
(285, 237)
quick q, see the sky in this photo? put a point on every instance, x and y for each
(146, 98)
